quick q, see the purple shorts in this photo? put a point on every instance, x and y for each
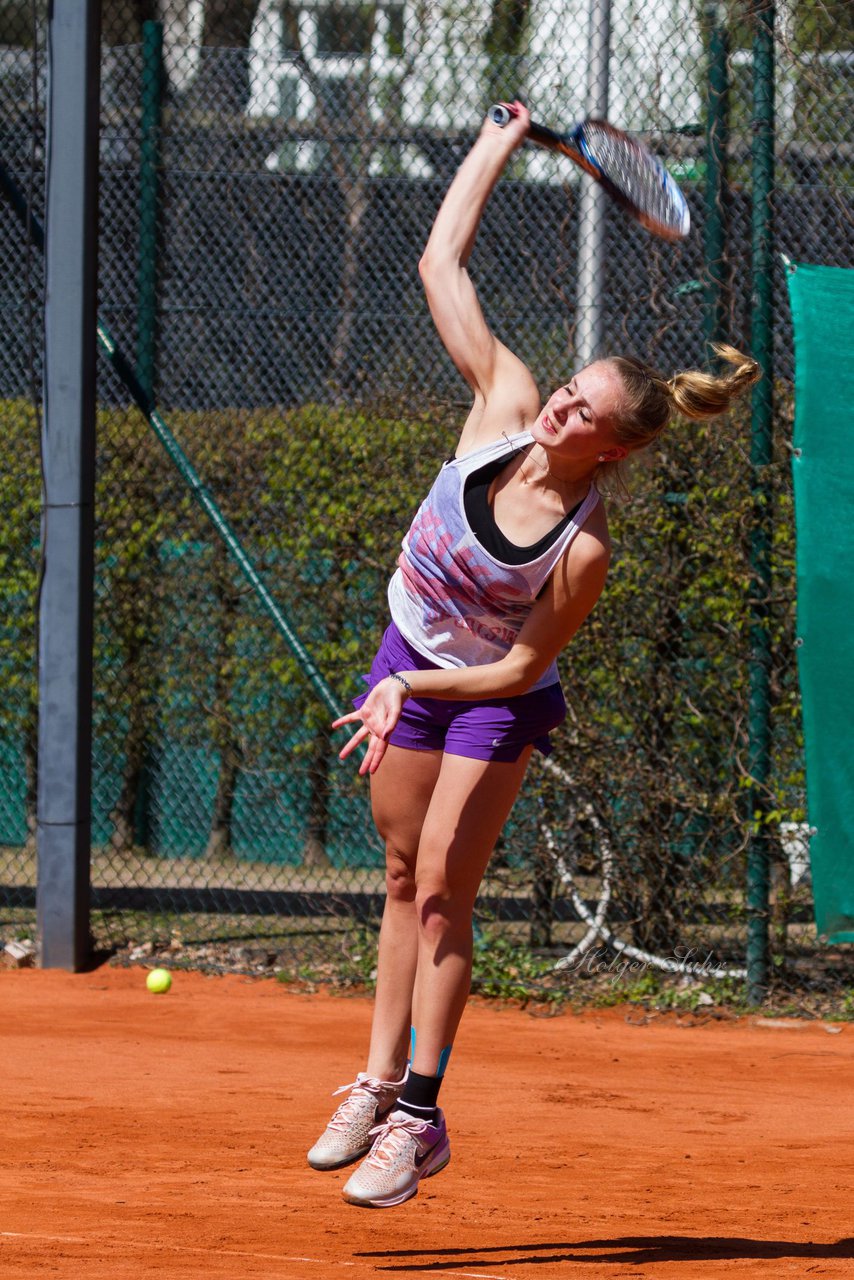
(489, 729)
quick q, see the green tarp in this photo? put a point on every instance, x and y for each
(823, 462)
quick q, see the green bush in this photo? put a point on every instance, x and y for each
(209, 737)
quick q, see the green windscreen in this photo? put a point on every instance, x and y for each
(822, 301)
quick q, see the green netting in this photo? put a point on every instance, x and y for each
(823, 311)
(13, 787)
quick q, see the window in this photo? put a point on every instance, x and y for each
(341, 29)
(288, 97)
(345, 30)
(290, 29)
(341, 97)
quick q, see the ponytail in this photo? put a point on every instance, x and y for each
(649, 402)
(699, 395)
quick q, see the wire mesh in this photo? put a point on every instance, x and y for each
(269, 173)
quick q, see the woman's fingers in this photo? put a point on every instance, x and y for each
(373, 756)
(374, 753)
(348, 719)
(357, 738)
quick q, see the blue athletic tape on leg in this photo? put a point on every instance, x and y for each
(443, 1056)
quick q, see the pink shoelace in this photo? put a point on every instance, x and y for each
(391, 1137)
(347, 1112)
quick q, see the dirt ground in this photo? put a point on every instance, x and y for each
(165, 1135)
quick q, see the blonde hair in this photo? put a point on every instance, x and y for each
(649, 401)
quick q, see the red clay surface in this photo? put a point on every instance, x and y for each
(165, 1136)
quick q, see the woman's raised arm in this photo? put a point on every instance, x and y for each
(496, 376)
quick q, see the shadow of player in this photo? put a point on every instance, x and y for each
(623, 1249)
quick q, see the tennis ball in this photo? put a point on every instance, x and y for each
(159, 981)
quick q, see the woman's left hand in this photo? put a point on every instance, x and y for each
(378, 715)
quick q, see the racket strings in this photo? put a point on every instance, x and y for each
(634, 172)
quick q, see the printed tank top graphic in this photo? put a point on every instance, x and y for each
(454, 602)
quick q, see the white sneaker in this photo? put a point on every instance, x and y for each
(348, 1134)
(405, 1151)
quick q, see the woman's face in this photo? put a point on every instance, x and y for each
(578, 420)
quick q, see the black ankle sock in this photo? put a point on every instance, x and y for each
(420, 1096)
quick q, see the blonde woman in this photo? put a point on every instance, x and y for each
(504, 560)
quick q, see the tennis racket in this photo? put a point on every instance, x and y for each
(631, 174)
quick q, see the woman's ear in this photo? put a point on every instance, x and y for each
(615, 454)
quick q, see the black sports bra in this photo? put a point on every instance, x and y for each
(482, 521)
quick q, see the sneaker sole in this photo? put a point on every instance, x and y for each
(389, 1202)
(340, 1164)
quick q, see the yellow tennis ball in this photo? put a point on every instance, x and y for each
(159, 981)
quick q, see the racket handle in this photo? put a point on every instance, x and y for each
(499, 115)
(538, 133)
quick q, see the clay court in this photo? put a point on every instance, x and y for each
(165, 1136)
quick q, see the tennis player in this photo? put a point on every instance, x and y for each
(505, 559)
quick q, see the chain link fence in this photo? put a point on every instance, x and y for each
(269, 173)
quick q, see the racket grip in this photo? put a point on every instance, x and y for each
(499, 115)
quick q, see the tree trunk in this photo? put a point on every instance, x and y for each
(224, 732)
(219, 838)
(317, 824)
(349, 162)
(542, 898)
(356, 203)
(137, 674)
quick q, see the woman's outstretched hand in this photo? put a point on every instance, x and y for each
(377, 716)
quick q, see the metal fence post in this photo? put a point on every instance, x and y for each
(151, 119)
(66, 603)
(593, 203)
(717, 138)
(762, 341)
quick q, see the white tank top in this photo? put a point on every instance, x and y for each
(452, 600)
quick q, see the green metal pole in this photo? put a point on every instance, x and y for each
(716, 191)
(208, 503)
(149, 191)
(762, 342)
(151, 118)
